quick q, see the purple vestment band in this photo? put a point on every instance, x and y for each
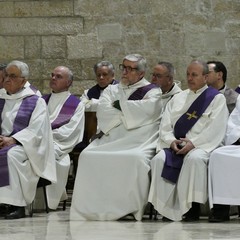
(95, 91)
(173, 162)
(20, 122)
(4, 180)
(33, 88)
(24, 113)
(66, 112)
(237, 89)
(141, 92)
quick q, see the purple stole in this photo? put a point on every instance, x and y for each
(21, 121)
(95, 91)
(173, 162)
(141, 92)
(237, 89)
(66, 112)
(33, 88)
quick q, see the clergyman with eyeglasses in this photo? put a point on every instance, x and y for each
(26, 145)
(163, 77)
(113, 171)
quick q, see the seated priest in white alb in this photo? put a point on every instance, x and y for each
(193, 124)
(223, 171)
(67, 120)
(113, 170)
(26, 143)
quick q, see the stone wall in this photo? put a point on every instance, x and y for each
(79, 33)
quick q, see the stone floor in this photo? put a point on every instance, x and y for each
(56, 226)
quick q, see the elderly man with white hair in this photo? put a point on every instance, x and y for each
(113, 171)
(26, 143)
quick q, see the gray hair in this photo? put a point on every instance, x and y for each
(169, 67)
(103, 64)
(204, 65)
(70, 74)
(23, 67)
(141, 61)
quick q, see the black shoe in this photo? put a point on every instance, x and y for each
(218, 219)
(219, 213)
(3, 210)
(193, 214)
(17, 212)
(190, 218)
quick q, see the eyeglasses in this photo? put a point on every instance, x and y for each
(12, 76)
(126, 68)
(158, 76)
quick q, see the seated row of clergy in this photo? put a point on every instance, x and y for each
(138, 91)
(113, 173)
(66, 132)
(162, 76)
(36, 136)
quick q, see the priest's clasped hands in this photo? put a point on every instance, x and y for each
(6, 141)
(182, 146)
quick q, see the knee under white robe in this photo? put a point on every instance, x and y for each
(224, 177)
(224, 165)
(32, 159)
(113, 172)
(65, 138)
(173, 200)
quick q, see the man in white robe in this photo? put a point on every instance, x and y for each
(174, 199)
(113, 171)
(163, 77)
(223, 171)
(66, 134)
(31, 152)
(105, 73)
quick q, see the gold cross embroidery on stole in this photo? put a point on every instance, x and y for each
(192, 115)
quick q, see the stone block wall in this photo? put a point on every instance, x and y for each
(79, 33)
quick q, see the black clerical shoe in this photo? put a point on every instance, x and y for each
(219, 213)
(16, 212)
(3, 210)
(193, 214)
(218, 219)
